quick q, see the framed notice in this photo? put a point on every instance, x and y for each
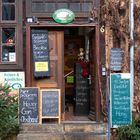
(120, 99)
(50, 104)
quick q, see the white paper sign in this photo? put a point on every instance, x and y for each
(12, 56)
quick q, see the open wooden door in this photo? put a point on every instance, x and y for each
(95, 95)
(55, 80)
(56, 43)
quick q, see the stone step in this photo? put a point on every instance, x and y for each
(85, 136)
(41, 136)
(64, 131)
(43, 128)
(85, 127)
(62, 136)
(65, 127)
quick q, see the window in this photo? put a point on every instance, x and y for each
(45, 8)
(10, 34)
(51, 6)
(8, 45)
(8, 9)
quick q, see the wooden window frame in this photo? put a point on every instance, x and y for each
(17, 24)
(78, 14)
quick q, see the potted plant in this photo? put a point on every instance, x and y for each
(9, 124)
(130, 132)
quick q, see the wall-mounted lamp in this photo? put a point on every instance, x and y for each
(29, 19)
(90, 19)
(32, 19)
(103, 71)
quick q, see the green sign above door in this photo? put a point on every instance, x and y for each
(63, 16)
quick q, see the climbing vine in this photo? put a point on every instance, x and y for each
(114, 16)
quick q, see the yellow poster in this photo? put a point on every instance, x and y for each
(41, 66)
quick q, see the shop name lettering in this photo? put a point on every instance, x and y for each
(12, 77)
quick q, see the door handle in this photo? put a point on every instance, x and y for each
(89, 78)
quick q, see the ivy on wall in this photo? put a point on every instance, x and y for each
(114, 16)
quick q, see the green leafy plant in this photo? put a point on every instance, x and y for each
(130, 132)
(9, 124)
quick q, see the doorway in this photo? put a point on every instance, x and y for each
(64, 49)
(77, 72)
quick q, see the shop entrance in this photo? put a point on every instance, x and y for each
(78, 60)
(74, 69)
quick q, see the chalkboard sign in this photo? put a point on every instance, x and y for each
(116, 59)
(120, 101)
(50, 103)
(28, 105)
(82, 92)
(40, 53)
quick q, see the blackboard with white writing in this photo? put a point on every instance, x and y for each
(28, 105)
(120, 100)
(40, 52)
(82, 92)
(116, 59)
(50, 103)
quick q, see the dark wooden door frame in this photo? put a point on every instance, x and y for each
(98, 76)
(28, 57)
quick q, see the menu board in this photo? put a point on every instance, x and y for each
(50, 103)
(120, 99)
(82, 92)
(40, 52)
(28, 105)
(116, 59)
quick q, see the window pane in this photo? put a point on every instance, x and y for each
(75, 7)
(86, 7)
(37, 7)
(49, 7)
(8, 35)
(8, 12)
(8, 54)
(8, 1)
(62, 5)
